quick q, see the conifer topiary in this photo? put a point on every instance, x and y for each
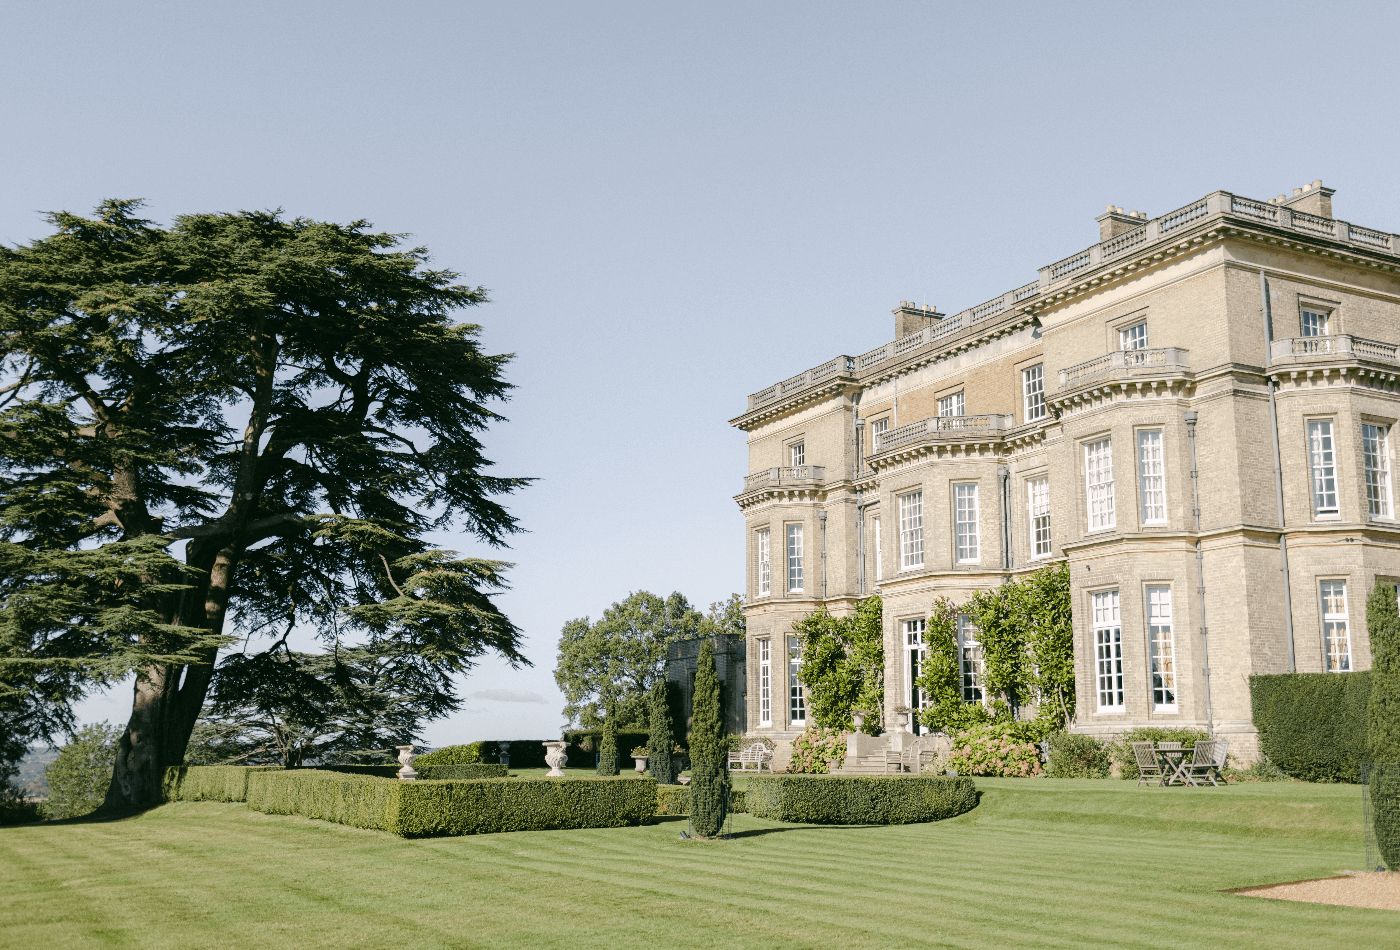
(709, 754)
(660, 741)
(607, 749)
(1383, 721)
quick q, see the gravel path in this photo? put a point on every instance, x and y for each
(1379, 890)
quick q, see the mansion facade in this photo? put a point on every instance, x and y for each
(1196, 413)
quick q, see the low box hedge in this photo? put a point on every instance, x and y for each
(474, 770)
(675, 800)
(430, 809)
(860, 799)
(1312, 726)
(210, 783)
(360, 801)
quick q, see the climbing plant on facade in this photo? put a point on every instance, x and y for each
(843, 666)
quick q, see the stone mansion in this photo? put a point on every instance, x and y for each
(1196, 413)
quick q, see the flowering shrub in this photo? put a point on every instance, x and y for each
(994, 748)
(812, 750)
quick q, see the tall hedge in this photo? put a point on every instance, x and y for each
(607, 749)
(1383, 726)
(859, 799)
(660, 742)
(1313, 725)
(709, 751)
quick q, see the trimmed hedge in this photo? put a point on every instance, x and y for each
(211, 783)
(474, 770)
(524, 754)
(1313, 725)
(860, 799)
(360, 801)
(675, 800)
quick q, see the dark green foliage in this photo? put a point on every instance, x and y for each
(1383, 721)
(1313, 725)
(524, 754)
(675, 800)
(843, 666)
(451, 755)
(940, 674)
(1120, 753)
(79, 776)
(1077, 756)
(860, 799)
(660, 742)
(607, 748)
(467, 771)
(709, 751)
(585, 746)
(241, 417)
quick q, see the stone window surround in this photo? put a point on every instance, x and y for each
(1115, 326)
(1332, 309)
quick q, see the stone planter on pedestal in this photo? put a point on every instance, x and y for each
(641, 761)
(555, 757)
(406, 757)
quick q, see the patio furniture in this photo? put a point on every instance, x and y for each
(754, 757)
(1149, 766)
(894, 762)
(1207, 758)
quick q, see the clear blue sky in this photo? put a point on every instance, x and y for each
(674, 205)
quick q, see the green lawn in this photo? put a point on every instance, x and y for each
(1038, 863)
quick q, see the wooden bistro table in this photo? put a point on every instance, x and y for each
(1174, 761)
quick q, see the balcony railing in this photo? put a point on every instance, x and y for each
(1342, 346)
(938, 428)
(803, 476)
(1126, 364)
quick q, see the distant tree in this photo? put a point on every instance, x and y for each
(292, 709)
(724, 618)
(79, 776)
(620, 656)
(709, 750)
(1383, 720)
(242, 424)
(660, 740)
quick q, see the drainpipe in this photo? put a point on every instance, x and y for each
(1200, 571)
(860, 544)
(821, 520)
(1268, 311)
(1004, 474)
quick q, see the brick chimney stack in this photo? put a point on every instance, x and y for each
(1312, 198)
(1116, 221)
(910, 318)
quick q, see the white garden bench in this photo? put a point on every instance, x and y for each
(754, 757)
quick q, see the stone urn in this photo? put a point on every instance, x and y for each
(858, 717)
(406, 758)
(641, 761)
(554, 757)
(504, 748)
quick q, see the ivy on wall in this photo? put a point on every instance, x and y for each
(843, 666)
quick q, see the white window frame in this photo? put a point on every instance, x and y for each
(1105, 612)
(911, 529)
(764, 543)
(796, 579)
(1375, 456)
(1098, 484)
(1322, 466)
(915, 650)
(953, 404)
(765, 682)
(1033, 392)
(797, 454)
(1314, 321)
(797, 693)
(969, 662)
(1161, 647)
(1133, 337)
(967, 533)
(878, 428)
(1038, 515)
(1152, 476)
(879, 551)
(1332, 605)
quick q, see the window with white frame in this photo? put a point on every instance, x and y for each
(797, 695)
(953, 404)
(1161, 645)
(915, 650)
(797, 454)
(911, 530)
(969, 660)
(1133, 337)
(1098, 483)
(879, 552)
(1033, 391)
(1375, 452)
(765, 682)
(1038, 510)
(1336, 626)
(794, 558)
(1315, 321)
(1152, 477)
(966, 537)
(1108, 650)
(878, 428)
(1323, 459)
(764, 542)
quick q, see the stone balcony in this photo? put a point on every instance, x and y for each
(1121, 365)
(943, 429)
(1332, 349)
(798, 476)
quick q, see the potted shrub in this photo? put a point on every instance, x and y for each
(640, 755)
